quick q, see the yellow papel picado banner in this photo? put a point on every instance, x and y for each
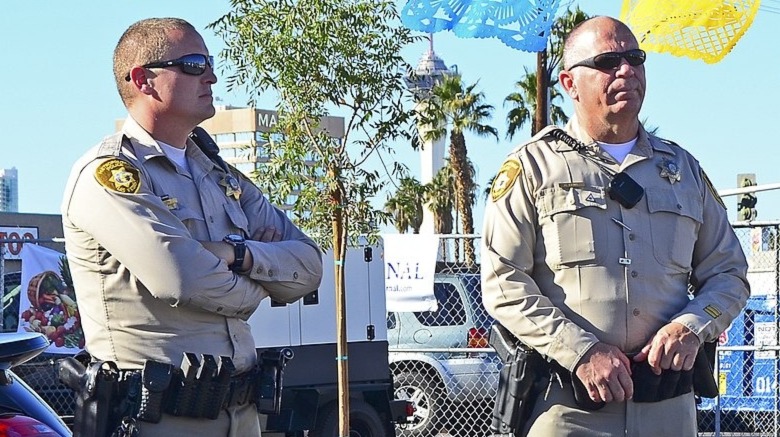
(698, 29)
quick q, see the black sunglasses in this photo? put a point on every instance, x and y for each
(193, 64)
(612, 60)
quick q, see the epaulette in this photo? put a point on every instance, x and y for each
(111, 145)
(541, 135)
(669, 142)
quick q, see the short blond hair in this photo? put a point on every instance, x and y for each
(143, 42)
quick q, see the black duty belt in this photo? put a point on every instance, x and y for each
(198, 389)
(648, 387)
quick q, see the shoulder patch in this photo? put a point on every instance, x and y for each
(505, 178)
(712, 189)
(120, 176)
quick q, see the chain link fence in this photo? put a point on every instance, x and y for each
(747, 361)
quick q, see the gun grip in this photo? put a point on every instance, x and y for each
(70, 372)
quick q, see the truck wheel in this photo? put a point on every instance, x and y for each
(364, 421)
(426, 396)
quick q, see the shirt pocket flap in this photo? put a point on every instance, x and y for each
(557, 200)
(685, 203)
(237, 216)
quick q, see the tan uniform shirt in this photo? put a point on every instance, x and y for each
(146, 287)
(564, 266)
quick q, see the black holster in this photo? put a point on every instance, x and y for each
(521, 368)
(269, 380)
(95, 386)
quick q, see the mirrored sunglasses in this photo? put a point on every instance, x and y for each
(193, 64)
(612, 60)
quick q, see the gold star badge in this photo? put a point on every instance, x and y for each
(120, 176)
(670, 170)
(232, 188)
(505, 178)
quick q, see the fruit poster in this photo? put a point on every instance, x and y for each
(47, 301)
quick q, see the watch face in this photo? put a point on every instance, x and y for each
(233, 238)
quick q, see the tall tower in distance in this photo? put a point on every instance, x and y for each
(9, 190)
(430, 71)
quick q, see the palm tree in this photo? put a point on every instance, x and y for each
(438, 197)
(405, 206)
(460, 109)
(523, 104)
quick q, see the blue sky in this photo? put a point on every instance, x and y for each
(59, 98)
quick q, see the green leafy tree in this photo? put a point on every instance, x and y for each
(325, 57)
(406, 205)
(460, 109)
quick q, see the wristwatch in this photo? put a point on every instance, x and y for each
(239, 250)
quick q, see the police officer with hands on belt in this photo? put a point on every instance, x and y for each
(591, 239)
(172, 251)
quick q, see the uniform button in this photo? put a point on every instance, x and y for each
(634, 274)
(295, 275)
(270, 273)
(679, 206)
(636, 312)
(631, 237)
(259, 270)
(219, 309)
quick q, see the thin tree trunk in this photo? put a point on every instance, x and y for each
(339, 223)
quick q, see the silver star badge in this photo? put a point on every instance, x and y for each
(670, 170)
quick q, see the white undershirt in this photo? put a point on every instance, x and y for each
(176, 155)
(618, 151)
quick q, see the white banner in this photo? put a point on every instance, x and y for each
(47, 302)
(410, 263)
